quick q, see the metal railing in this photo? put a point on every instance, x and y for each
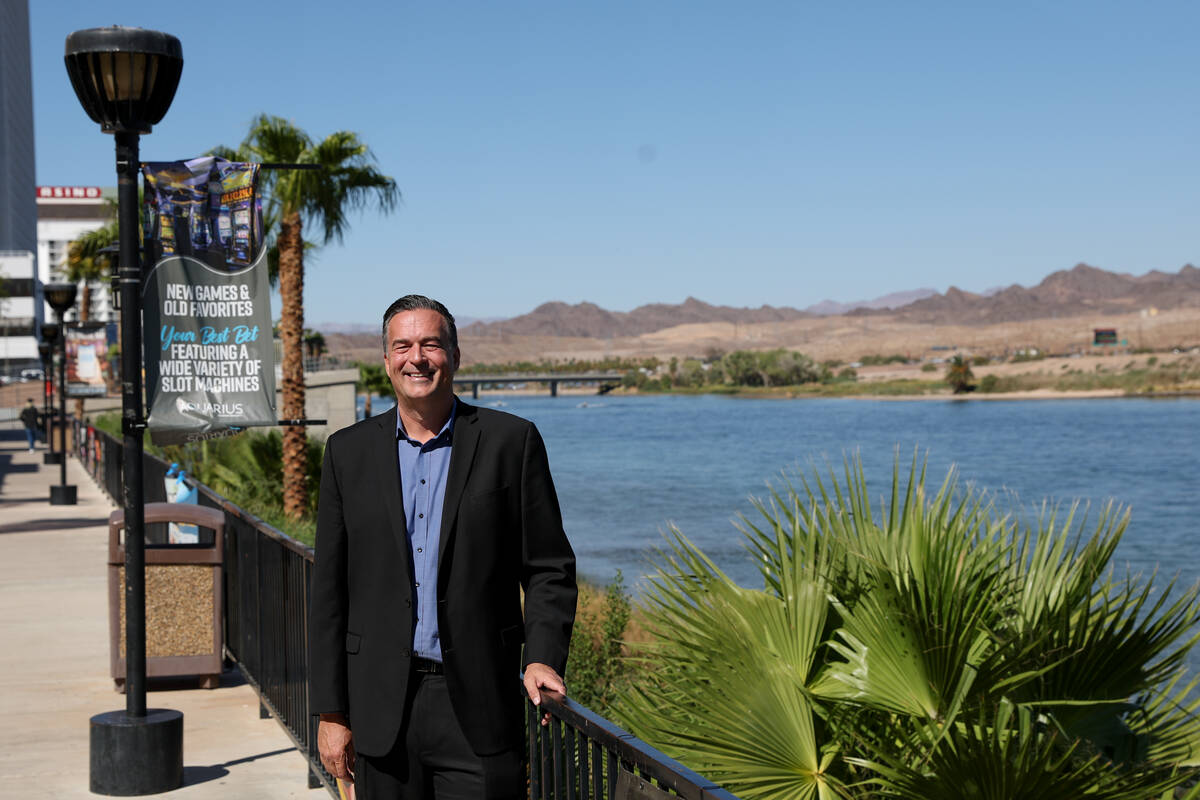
(578, 756)
(581, 755)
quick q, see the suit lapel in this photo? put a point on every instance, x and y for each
(462, 455)
(387, 465)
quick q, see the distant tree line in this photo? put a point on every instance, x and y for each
(611, 364)
(778, 367)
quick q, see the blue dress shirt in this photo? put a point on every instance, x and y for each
(423, 471)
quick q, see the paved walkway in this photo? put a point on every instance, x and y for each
(54, 665)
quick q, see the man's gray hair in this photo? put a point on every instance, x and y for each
(419, 302)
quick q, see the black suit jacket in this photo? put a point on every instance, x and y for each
(501, 533)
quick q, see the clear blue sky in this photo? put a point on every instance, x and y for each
(744, 153)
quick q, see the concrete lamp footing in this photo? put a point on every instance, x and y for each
(136, 755)
(63, 495)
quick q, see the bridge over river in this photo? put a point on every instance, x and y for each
(605, 381)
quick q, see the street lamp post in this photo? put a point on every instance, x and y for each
(46, 351)
(45, 348)
(125, 79)
(61, 296)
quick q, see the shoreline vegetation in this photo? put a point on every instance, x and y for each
(906, 651)
(784, 374)
(246, 469)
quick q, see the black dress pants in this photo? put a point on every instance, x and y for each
(431, 759)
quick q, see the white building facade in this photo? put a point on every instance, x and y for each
(19, 321)
(64, 213)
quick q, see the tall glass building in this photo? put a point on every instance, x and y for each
(20, 306)
(18, 209)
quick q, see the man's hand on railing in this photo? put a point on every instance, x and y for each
(336, 745)
(539, 677)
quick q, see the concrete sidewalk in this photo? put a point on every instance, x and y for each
(54, 665)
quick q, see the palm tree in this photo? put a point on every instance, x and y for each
(314, 343)
(87, 262)
(959, 375)
(346, 180)
(372, 380)
(939, 649)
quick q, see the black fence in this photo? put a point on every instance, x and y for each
(579, 755)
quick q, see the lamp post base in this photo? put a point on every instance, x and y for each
(63, 495)
(51, 458)
(136, 755)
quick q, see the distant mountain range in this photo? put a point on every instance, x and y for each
(828, 308)
(373, 327)
(591, 321)
(1082, 289)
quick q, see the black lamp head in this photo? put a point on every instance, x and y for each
(49, 337)
(60, 296)
(125, 78)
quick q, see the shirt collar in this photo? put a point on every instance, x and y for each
(446, 432)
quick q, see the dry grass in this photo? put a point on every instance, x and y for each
(591, 601)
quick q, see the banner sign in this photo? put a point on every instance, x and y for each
(210, 367)
(88, 367)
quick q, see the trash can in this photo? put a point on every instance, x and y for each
(60, 431)
(183, 597)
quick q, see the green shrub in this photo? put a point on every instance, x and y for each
(875, 360)
(246, 469)
(597, 671)
(959, 375)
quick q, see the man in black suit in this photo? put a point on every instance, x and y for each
(433, 518)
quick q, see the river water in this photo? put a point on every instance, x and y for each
(626, 467)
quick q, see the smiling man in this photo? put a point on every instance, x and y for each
(434, 518)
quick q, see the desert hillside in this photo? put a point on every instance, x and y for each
(1158, 310)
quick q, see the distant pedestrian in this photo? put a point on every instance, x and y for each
(29, 417)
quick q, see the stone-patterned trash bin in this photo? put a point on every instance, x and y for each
(183, 598)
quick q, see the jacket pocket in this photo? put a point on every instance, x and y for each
(353, 641)
(489, 496)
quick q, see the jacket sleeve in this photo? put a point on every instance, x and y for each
(548, 563)
(328, 597)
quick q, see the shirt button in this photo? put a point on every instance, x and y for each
(420, 549)
(418, 584)
(420, 516)
(422, 480)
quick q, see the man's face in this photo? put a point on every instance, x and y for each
(417, 360)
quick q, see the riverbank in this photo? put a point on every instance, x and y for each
(903, 392)
(1068, 377)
